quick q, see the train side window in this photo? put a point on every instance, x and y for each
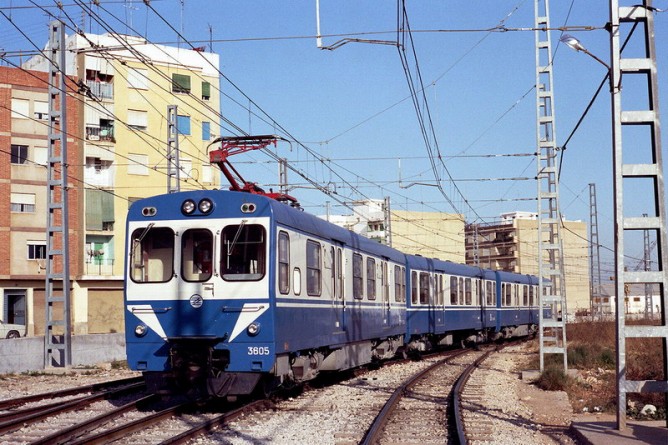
(516, 294)
(283, 262)
(425, 295)
(460, 291)
(358, 276)
(532, 295)
(371, 278)
(414, 287)
(453, 290)
(152, 255)
(339, 273)
(480, 290)
(525, 296)
(313, 269)
(196, 254)
(397, 284)
(385, 282)
(467, 292)
(509, 294)
(243, 253)
(489, 293)
(297, 280)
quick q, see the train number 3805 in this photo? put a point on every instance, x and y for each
(258, 350)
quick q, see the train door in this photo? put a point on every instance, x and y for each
(197, 251)
(337, 283)
(385, 293)
(439, 292)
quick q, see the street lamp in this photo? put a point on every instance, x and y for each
(575, 44)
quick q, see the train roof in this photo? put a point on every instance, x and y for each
(228, 204)
(435, 264)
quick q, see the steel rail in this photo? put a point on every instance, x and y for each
(373, 433)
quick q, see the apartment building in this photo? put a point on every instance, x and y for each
(430, 234)
(118, 126)
(24, 127)
(511, 244)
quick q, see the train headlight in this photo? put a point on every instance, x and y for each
(188, 207)
(253, 329)
(141, 330)
(205, 205)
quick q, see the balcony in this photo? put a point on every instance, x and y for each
(101, 90)
(96, 265)
(102, 133)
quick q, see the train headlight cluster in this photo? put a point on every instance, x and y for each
(141, 330)
(253, 329)
(205, 206)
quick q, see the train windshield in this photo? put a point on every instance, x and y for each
(243, 256)
(152, 255)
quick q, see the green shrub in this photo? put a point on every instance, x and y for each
(553, 379)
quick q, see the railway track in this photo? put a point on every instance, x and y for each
(417, 411)
(114, 412)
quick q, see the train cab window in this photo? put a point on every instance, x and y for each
(399, 284)
(152, 255)
(196, 254)
(489, 293)
(313, 269)
(358, 276)
(453, 290)
(468, 300)
(283, 262)
(414, 288)
(371, 278)
(525, 295)
(425, 294)
(243, 254)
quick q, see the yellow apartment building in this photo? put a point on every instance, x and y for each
(138, 102)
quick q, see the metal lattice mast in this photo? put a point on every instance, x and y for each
(173, 161)
(58, 323)
(594, 257)
(647, 264)
(552, 330)
(643, 68)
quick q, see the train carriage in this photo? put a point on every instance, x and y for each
(226, 287)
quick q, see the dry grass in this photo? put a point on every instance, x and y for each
(591, 350)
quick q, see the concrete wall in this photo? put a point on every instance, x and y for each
(27, 354)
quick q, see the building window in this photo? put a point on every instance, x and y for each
(41, 110)
(36, 250)
(23, 202)
(138, 164)
(138, 79)
(206, 131)
(99, 210)
(183, 125)
(41, 155)
(19, 154)
(313, 269)
(138, 119)
(20, 108)
(180, 83)
(206, 90)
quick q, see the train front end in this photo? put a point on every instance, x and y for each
(198, 303)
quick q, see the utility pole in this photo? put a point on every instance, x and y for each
(388, 221)
(641, 68)
(57, 286)
(173, 162)
(552, 288)
(595, 293)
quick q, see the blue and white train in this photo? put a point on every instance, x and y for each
(229, 291)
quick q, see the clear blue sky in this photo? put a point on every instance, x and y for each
(352, 105)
